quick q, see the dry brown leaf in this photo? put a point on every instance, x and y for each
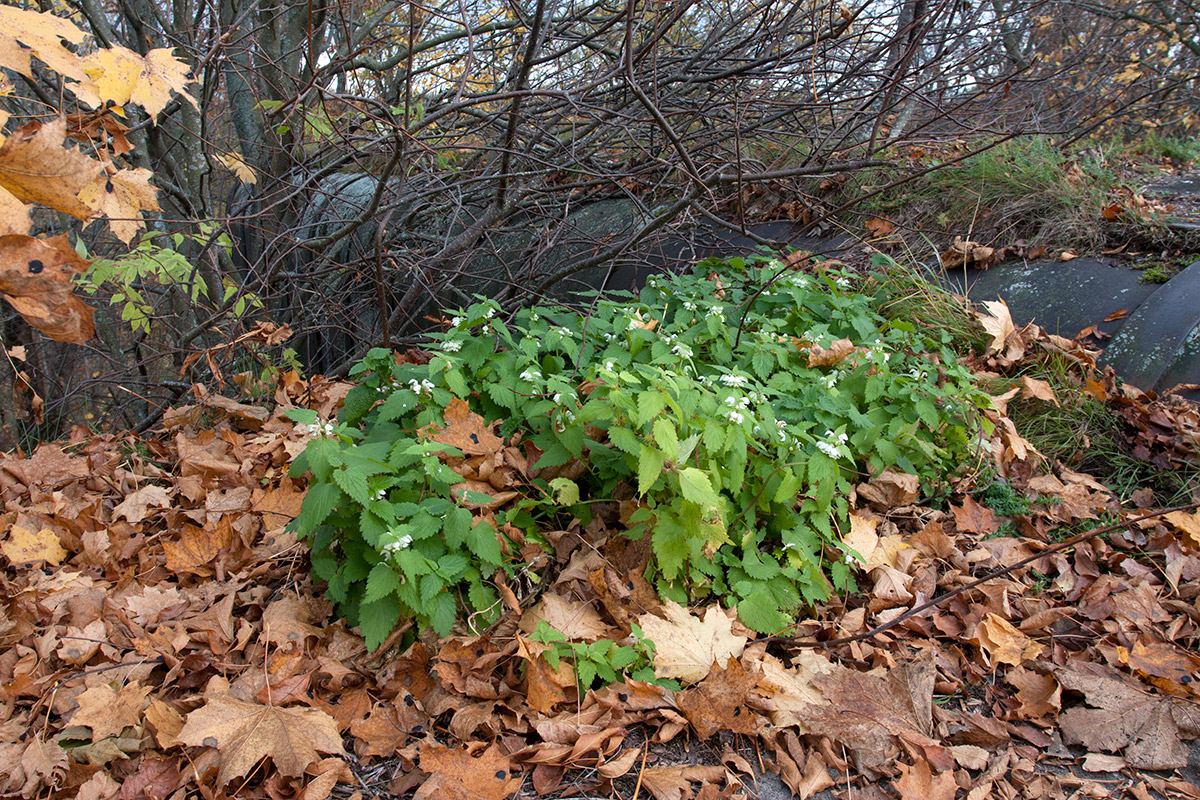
(457, 775)
(136, 505)
(1164, 665)
(1037, 389)
(245, 733)
(108, 712)
(878, 226)
(792, 689)
(1039, 695)
(36, 168)
(838, 352)
(686, 647)
(36, 279)
(972, 517)
(1003, 643)
(1125, 719)
(890, 489)
(197, 547)
(287, 621)
(965, 253)
(579, 622)
(674, 783)
(152, 601)
(999, 325)
(919, 783)
(719, 702)
(14, 215)
(1188, 525)
(24, 547)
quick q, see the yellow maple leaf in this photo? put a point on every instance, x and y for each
(25, 33)
(123, 76)
(122, 198)
(26, 547)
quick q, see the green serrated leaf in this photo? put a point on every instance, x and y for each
(759, 612)
(625, 440)
(697, 488)
(444, 610)
(650, 467)
(319, 502)
(378, 619)
(397, 404)
(566, 491)
(430, 586)
(483, 543)
(354, 484)
(382, 581)
(650, 404)
(666, 438)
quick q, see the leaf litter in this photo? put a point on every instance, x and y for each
(161, 636)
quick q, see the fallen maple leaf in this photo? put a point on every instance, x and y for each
(686, 647)
(1003, 643)
(1125, 719)
(674, 783)
(997, 321)
(574, 620)
(919, 783)
(24, 547)
(136, 505)
(878, 226)
(457, 775)
(245, 733)
(108, 712)
(719, 702)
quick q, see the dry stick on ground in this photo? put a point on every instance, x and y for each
(996, 573)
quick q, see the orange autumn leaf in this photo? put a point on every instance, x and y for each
(465, 430)
(35, 279)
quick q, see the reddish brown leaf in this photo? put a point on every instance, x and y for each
(457, 775)
(35, 278)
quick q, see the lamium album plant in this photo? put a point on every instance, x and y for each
(738, 404)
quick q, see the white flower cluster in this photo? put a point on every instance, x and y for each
(421, 387)
(452, 346)
(320, 428)
(716, 311)
(832, 444)
(396, 543)
(737, 402)
(454, 323)
(531, 375)
(689, 305)
(563, 331)
(682, 350)
(734, 416)
(379, 494)
(734, 380)
(842, 281)
(389, 387)
(830, 380)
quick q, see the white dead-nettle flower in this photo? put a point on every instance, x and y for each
(734, 380)
(454, 323)
(452, 346)
(831, 446)
(734, 416)
(717, 311)
(531, 375)
(380, 494)
(420, 387)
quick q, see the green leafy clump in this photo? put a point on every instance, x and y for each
(603, 658)
(1004, 499)
(740, 403)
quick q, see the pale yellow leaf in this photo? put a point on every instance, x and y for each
(122, 198)
(998, 323)
(1003, 643)
(14, 215)
(235, 164)
(686, 646)
(25, 33)
(123, 76)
